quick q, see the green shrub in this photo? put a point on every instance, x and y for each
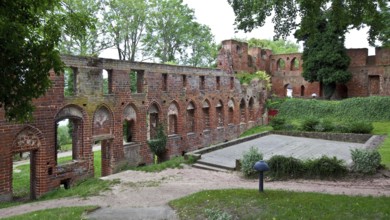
(360, 127)
(282, 167)
(278, 123)
(248, 161)
(310, 124)
(365, 160)
(325, 167)
(325, 126)
(157, 145)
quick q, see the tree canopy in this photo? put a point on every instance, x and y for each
(277, 46)
(29, 35)
(322, 26)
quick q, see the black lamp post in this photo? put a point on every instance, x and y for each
(261, 166)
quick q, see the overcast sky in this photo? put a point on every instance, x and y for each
(219, 16)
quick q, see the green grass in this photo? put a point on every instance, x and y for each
(250, 204)
(21, 181)
(66, 147)
(97, 163)
(255, 130)
(63, 213)
(381, 128)
(175, 162)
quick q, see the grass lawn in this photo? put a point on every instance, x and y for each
(175, 162)
(66, 147)
(21, 180)
(63, 213)
(256, 130)
(250, 204)
(383, 128)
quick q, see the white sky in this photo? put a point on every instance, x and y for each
(219, 16)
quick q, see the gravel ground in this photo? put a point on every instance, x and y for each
(145, 190)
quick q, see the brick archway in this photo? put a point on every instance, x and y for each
(29, 139)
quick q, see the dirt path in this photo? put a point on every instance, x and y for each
(141, 190)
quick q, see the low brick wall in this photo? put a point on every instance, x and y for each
(345, 137)
(199, 152)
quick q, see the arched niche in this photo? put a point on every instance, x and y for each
(173, 114)
(129, 124)
(102, 121)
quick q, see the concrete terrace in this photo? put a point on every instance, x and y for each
(273, 144)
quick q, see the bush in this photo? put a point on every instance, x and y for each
(325, 167)
(157, 145)
(310, 124)
(360, 127)
(365, 161)
(325, 126)
(278, 123)
(248, 161)
(285, 167)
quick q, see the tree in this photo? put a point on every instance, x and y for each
(169, 29)
(325, 57)
(126, 21)
(27, 53)
(384, 35)
(29, 35)
(90, 40)
(335, 17)
(202, 50)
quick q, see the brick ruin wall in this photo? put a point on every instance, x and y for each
(370, 74)
(198, 106)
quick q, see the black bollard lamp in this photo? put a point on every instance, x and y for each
(261, 166)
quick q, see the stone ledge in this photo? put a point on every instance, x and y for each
(344, 137)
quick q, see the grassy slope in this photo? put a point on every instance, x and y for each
(383, 128)
(63, 213)
(256, 130)
(249, 204)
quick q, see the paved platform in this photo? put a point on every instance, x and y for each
(270, 145)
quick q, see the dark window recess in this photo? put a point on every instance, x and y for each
(218, 81)
(202, 83)
(164, 82)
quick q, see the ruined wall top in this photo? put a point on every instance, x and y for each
(235, 56)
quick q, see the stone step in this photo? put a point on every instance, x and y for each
(211, 164)
(207, 167)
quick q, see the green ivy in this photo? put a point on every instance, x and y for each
(158, 145)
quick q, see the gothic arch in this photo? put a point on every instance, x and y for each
(206, 114)
(152, 120)
(242, 111)
(295, 64)
(28, 139)
(102, 121)
(219, 113)
(190, 116)
(173, 118)
(280, 64)
(70, 111)
(231, 111)
(251, 109)
(129, 123)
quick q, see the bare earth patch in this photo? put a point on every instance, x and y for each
(140, 189)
